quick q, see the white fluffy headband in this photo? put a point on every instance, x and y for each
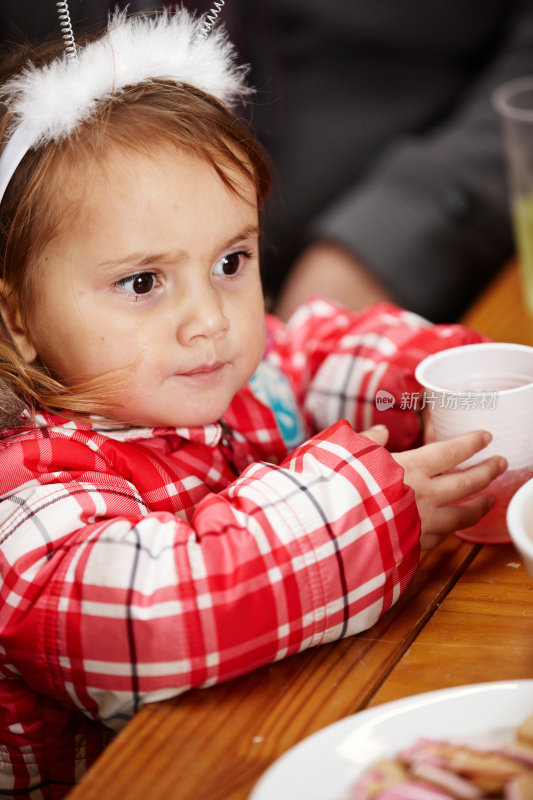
(48, 103)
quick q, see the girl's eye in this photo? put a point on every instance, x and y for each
(230, 264)
(141, 283)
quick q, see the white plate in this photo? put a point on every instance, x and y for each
(325, 765)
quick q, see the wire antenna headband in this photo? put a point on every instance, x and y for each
(211, 17)
(48, 103)
(66, 29)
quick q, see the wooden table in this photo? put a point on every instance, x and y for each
(466, 618)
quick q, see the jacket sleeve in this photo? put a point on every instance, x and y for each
(107, 607)
(360, 366)
(432, 220)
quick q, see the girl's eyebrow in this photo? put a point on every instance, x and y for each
(249, 232)
(139, 260)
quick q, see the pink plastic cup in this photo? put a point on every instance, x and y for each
(485, 386)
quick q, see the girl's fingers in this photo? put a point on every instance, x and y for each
(430, 540)
(427, 426)
(454, 486)
(378, 433)
(455, 517)
(442, 456)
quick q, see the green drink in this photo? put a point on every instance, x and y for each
(523, 226)
(514, 103)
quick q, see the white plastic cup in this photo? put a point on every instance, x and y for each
(520, 523)
(486, 386)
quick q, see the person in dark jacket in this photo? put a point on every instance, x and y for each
(378, 118)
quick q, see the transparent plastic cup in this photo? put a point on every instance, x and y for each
(485, 386)
(514, 103)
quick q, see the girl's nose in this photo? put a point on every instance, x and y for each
(201, 316)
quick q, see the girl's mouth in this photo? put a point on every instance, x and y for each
(205, 371)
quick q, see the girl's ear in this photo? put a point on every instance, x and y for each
(13, 322)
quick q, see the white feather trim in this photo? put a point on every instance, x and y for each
(51, 101)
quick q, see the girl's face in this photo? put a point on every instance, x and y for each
(159, 274)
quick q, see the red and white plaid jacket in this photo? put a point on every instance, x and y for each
(136, 564)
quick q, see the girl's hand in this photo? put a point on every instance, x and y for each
(427, 425)
(378, 433)
(437, 490)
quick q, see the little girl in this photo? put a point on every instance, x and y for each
(183, 495)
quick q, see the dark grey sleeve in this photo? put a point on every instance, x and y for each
(431, 219)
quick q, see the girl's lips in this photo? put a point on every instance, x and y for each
(205, 370)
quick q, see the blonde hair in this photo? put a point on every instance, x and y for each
(156, 112)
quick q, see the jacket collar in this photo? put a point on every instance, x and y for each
(209, 435)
